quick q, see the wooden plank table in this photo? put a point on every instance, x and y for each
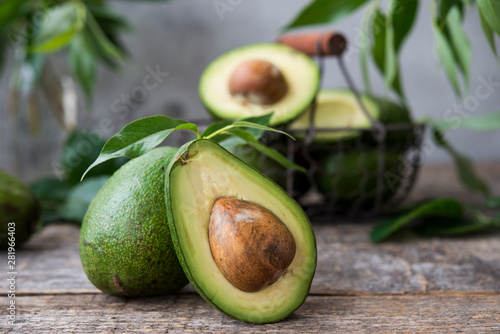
(408, 284)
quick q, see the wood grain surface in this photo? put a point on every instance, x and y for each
(408, 284)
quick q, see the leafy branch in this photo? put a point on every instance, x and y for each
(141, 136)
(34, 30)
(384, 31)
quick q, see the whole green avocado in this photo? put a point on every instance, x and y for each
(18, 205)
(125, 243)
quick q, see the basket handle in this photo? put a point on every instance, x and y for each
(316, 43)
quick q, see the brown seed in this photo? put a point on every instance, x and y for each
(249, 244)
(258, 82)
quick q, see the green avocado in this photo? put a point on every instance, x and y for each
(349, 179)
(339, 109)
(258, 79)
(245, 245)
(125, 243)
(18, 205)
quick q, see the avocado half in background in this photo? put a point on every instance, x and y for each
(125, 243)
(348, 160)
(19, 205)
(245, 245)
(258, 79)
(340, 109)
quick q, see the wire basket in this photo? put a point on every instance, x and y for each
(360, 177)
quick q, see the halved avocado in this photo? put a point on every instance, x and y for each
(211, 189)
(338, 109)
(258, 79)
(125, 244)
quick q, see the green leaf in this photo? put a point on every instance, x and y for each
(58, 27)
(493, 202)
(365, 43)
(390, 57)
(451, 226)
(79, 198)
(459, 41)
(488, 33)
(111, 24)
(383, 54)
(445, 52)
(51, 192)
(3, 52)
(485, 122)
(464, 167)
(443, 207)
(325, 11)
(378, 36)
(243, 124)
(215, 127)
(82, 60)
(139, 137)
(11, 11)
(102, 41)
(445, 6)
(403, 14)
(81, 148)
(490, 10)
(255, 126)
(270, 152)
(262, 120)
(107, 18)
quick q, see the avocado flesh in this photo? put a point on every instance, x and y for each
(19, 205)
(210, 172)
(336, 109)
(125, 243)
(299, 71)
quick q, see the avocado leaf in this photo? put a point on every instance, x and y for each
(443, 207)
(262, 120)
(493, 202)
(270, 152)
(484, 122)
(79, 197)
(490, 9)
(140, 137)
(51, 192)
(325, 11)
(80, 150)
(59, 26)
(451, 226)
(464, 166)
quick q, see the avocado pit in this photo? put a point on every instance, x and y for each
(257, 81)
(250, 245)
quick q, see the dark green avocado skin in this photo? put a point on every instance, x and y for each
(18, 205)
(350, 179)
(125, 243)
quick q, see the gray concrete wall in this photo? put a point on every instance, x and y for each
(182, 37)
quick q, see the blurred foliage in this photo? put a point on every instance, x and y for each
(64, 197)
(34, 29)
(438, 217)
(387, 24)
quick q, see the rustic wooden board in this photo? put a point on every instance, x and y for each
(348, 263)
(98, 313)
(409, 284)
